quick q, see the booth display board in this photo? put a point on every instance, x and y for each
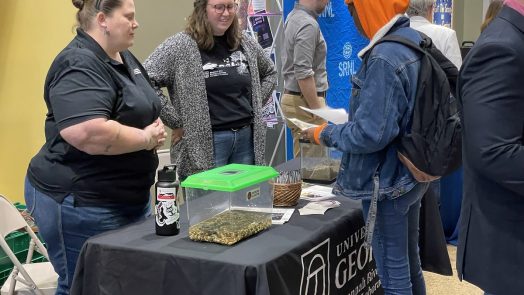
(262, 19)
(443, 14)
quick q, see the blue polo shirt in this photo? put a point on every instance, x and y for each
(83, 83)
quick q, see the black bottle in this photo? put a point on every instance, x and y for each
(166, 205)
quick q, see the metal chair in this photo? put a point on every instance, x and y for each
(28, 278)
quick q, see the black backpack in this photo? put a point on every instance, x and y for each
(433, 146)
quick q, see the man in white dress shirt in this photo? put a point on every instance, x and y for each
(445, 39)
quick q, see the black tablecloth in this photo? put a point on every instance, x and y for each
(308, 252)
(434, 255)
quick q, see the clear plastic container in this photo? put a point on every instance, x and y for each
(318, 163)
(229, 203)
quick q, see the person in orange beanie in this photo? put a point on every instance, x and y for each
(382, 102)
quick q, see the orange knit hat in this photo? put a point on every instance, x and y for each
(374, 14)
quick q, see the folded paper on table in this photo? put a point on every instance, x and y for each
(317, 193)
(281, 215)
(318, 207)
(337, 116)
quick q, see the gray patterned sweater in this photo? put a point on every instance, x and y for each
(177, 65)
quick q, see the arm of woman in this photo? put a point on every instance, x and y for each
(108, 137)
(82, 99)
(266, 71)
(161, 68)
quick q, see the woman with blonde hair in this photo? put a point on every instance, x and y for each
(218, 80)
(493, 9)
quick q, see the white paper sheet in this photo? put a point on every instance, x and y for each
(259, 5)
(316, 193)
(318, 207)
(301, 124)
(337, 116)
(281, 215)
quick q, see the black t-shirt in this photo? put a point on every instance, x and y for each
(83, 83)
(228, 85)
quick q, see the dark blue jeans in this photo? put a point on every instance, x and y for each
(234, 146)
(65, 228)
(395, 243)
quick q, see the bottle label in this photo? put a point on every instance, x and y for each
(166, 207)
(253, 194)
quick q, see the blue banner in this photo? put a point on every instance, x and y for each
(443, 13)
(343, 43)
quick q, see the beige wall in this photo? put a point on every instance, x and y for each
(158, 20)
(467, 18)
(31, 35)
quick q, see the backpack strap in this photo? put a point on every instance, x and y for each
(427, 47)
(406, 42)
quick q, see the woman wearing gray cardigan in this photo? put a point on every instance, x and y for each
(218, 80)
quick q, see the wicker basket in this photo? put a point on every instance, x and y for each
(286, 194)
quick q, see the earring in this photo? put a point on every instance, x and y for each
(106, 32)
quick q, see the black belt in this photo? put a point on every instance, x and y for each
(319, 93)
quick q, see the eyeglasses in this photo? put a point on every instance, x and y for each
(220, 8)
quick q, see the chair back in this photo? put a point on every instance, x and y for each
(10, 218)
(35, 278)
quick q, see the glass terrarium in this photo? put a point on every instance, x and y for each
(318, 163)
(229, 203)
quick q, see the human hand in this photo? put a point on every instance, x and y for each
(176, 135)
(309, 134)
(155, 135)
(313, 134)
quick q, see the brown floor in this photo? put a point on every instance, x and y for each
(443, 285)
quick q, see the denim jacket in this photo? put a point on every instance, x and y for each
(381, 105)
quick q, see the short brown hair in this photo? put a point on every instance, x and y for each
(87, 10)
(199, 28)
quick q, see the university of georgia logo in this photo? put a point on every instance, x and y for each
(315, 270)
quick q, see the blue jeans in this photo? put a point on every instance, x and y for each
(234, 146)
(65, 228)
(395, 243)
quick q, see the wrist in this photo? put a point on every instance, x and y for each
(317, 133)
(146, 140)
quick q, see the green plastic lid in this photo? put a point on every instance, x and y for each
(230, 178)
